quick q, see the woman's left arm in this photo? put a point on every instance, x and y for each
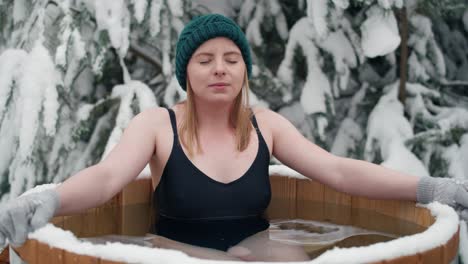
(347, 175)
(359, 177)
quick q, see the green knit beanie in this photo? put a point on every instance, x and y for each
(201, 29)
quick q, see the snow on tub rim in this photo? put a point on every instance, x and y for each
(293, 196)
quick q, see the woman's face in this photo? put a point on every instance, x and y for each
(216, 71)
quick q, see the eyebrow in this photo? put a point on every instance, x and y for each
(211, 54)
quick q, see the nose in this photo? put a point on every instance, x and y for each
(220, 68)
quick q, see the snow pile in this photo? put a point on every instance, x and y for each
(317, 11)
(127, 93)
(316, 91)
(28, 90)
(9, 72)
(388, 127)
(37, 93)
(427, 59)
(174, 91)
(387, 4)
(252, 15)
(458, 157)
(344, 57)
(113, 16)
(140, 9)
(350, 133)
(379, 33)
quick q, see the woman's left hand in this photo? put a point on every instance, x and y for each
(445, 190)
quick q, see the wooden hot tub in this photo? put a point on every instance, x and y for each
(130, 213)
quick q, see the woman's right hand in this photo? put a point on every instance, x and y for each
(25, 214)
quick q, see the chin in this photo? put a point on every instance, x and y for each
(220, 99)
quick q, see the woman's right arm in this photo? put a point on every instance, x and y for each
(97, 184)
(88, 188)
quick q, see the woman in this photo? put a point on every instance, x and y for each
(209, 160)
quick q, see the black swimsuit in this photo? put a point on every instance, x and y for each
(198, 210)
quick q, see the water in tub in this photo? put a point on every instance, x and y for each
(312, 237)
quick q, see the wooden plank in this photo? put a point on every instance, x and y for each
(337, 206)
(83, 259)
(28, 251)
(413, 259)
(5, 255)
(57, 221)
(70, 258)
(88, 223)
(387, 211)
(43, 254)
(47, 254)
(74, 224)
(103, 261)
(135, 226)
(279, 207)
(450, 249)
(406, 212)
(292, 197)
(309, 204)
(423, 217)
(137, 192)
(136, 200)
(433, 256)
(387, 207)
(362, 212)
(57, 255)
(108, 217)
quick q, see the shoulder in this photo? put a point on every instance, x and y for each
(268, 117)
(154, 114)
(277, 125)
(152, 118)
(271, 123)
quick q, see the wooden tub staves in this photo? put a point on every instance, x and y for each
(4, 256)
(130, 213)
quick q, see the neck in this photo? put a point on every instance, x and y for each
(213, 117)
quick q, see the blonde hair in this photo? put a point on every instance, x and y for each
(239, 118)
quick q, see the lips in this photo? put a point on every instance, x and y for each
(219, 84)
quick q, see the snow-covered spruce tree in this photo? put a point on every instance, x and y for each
(66, 93)
(338, 58)
(439, 117)
(318, 63)
(266, 26)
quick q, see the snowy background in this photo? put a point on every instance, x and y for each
(74, 72)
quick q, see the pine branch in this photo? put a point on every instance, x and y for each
(446, 82)
(140, 52)
(427, 136)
